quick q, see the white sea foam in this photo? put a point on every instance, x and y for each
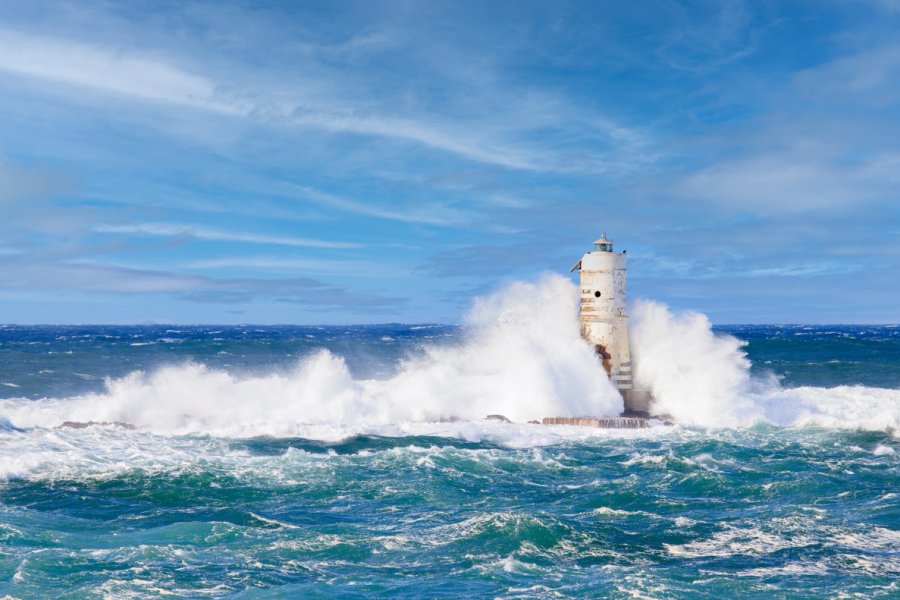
(732, 541)
(882, 450)
(695, 375)
(520, 355)
(702, 378)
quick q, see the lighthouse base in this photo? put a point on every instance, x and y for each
(635, 416)
(601, 422)
(637, 403)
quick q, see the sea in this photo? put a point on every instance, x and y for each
(248, 461)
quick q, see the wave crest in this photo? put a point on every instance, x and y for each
(520, 356)
(703, 378)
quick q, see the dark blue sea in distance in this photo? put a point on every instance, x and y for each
(453, 509)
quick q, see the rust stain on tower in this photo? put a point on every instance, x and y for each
(604, 325)
(604, 319)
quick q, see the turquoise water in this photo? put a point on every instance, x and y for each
(365, 504)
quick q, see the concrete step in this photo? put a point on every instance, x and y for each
(601, 422)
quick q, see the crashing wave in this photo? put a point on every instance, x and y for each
(520, 355)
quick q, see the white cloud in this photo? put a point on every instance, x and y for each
(860, 76)
(92, 277)
(357, 268)
(27, 185)
(27, 274)
(108, 70)
(794, 180)
(204, 233)
(471, 147)
(431, 214)
(494, 139)
(800, 270)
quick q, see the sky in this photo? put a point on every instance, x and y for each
(373, 162)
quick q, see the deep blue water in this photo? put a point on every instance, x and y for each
(442, 509)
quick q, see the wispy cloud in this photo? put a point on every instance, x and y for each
(801, 270)
(269, 263)
(724, 145)
(820, 145)
(788, 182)
(429, 214)
(704, 45)
(25, 273)
(28, 273)
(500, 140)
(205, 233)
(107, 70)
(18, 184)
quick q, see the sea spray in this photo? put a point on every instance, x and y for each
(520, 356)
(317, 481)
(695, 375)
(518, 353)
(703, 378)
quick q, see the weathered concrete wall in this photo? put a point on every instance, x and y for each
(601, 422)
(604, 320)
(637, 401)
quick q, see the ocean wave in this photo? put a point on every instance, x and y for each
(520, 355)
(703, 378)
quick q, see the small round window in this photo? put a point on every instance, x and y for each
(596, 294)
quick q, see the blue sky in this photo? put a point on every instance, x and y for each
(360, 162)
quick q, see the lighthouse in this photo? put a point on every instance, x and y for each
(604, 319)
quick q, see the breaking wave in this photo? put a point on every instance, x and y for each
(520, 355)
(703, 378)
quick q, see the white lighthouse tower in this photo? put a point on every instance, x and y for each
(604, 320)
